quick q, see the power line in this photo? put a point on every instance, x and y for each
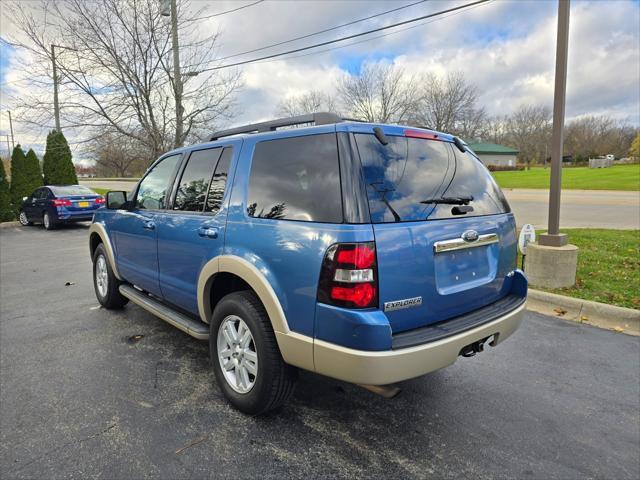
(230, 11)
(321, 31)
(349, 37)
(370, 39)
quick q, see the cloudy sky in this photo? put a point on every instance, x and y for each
(506, 48)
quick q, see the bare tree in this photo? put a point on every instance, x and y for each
(310, 102)
(529, 130)
(592, 136)
(494, 129)
(380, 93)
(471, 125)
(449, 105)
(118, 155)
(117, 72)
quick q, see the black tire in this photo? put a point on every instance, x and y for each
(112, 298)
(24, 221)
(275, 380)
(47, 222)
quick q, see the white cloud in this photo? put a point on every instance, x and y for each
(506, 48)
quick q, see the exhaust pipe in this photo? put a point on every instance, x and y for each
(386, 391)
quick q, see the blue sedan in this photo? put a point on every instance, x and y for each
(55, 205)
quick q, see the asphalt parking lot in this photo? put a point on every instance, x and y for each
(79, 398)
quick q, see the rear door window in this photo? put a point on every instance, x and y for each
(219, 182)
(296, 178)
(194, 183)
(407, 171)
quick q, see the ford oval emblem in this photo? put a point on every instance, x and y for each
(470, 236)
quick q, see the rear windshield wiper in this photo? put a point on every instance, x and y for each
(462, 200)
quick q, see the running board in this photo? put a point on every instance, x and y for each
(188, 325)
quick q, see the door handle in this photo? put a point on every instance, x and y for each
(209, 232)
(149, 225)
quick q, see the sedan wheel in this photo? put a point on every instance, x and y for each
(237, 354)
(23, 219)
(46, 221)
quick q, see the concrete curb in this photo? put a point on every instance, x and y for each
(619, 319)
(9, 224)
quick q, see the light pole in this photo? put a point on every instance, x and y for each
(553, 237)
(552, 262)
(13, 143)
(172, 11)
(56, 106)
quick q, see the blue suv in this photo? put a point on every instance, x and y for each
(365, 252)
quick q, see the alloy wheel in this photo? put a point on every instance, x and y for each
(102, 276)
(237, 354)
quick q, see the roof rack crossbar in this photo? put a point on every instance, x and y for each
(318, 118)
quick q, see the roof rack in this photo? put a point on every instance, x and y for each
(318, 118)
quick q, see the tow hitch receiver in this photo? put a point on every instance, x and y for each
(475, 347)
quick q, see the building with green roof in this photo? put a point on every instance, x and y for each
(494, 154)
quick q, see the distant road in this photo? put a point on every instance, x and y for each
(110, 184)
(580, 208)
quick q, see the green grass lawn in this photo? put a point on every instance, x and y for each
(619, 177)
(608, 266)
(101, 191)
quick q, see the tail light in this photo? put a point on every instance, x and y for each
(99, 201)
(61, 202)
(349, 276)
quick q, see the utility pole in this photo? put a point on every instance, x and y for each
(13, 143)
(553, 237)
(8, 145)
(177, 77)
(56, 107)
(552, 262)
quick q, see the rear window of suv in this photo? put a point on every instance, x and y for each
(406, 171)
(296, 178)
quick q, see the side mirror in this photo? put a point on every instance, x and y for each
(116, 200)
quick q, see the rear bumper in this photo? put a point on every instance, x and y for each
(389, 366)
(77, 219)
(67, 216)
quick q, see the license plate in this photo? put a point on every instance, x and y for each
(83, 204)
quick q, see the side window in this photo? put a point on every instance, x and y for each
(219, 182)
(194, 184)
(296, 179)
(152, 192)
